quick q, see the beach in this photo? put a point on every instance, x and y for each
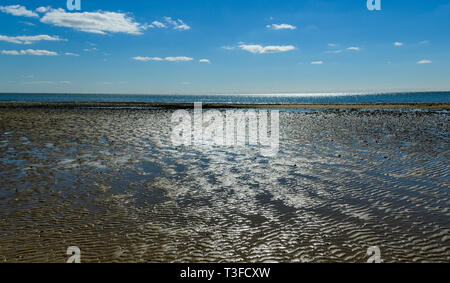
(106, 178)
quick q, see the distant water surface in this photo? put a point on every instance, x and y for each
(314, 98)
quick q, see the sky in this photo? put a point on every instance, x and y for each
(224, 47)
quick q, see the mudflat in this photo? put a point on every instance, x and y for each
(110, 182)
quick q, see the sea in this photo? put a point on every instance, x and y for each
(300, 98)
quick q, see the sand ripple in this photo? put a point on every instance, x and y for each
(111, 183)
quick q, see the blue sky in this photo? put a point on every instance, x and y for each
(208, 47)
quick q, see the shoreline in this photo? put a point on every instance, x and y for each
(75, 105)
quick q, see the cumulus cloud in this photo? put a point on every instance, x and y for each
(10, 52)
(145, 59)
(281, 26)
(177, 24)
(316, 62)
(258, 49)
(228, 47)
(43, 9)
(169, 22)
(398, 43)
(204, 61)
(337, 51)
(179, 58)
(29, 39)
(33, 52)
(170, 59)
(18, 10)
(101, 22)
(424, 61)
(158, 24)
(94, 22)
(71, 54)
(27, 23)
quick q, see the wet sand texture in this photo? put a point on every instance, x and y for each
(111, 183)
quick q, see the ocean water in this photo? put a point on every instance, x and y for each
(312, 98)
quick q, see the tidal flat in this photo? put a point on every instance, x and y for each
(110, 182)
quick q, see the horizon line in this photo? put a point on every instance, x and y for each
(311, 93)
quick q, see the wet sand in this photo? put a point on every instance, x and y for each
(110, 182)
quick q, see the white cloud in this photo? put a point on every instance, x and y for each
(29, 39)
(94, 22)
(158, 24)
(29, 52)
(258, 49)
(27, 23)
(43, 9)
(179, 58)
(17, 10)
(10, 52)
(337, 51)
(398, 43)
(99, 22)
(90, 49)
(170, 59)
(316, 62)
(281, 26)
(177, 24)
(228, 47)
(71, 54)
(424, 61)
(145, 59)
(204, 61)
